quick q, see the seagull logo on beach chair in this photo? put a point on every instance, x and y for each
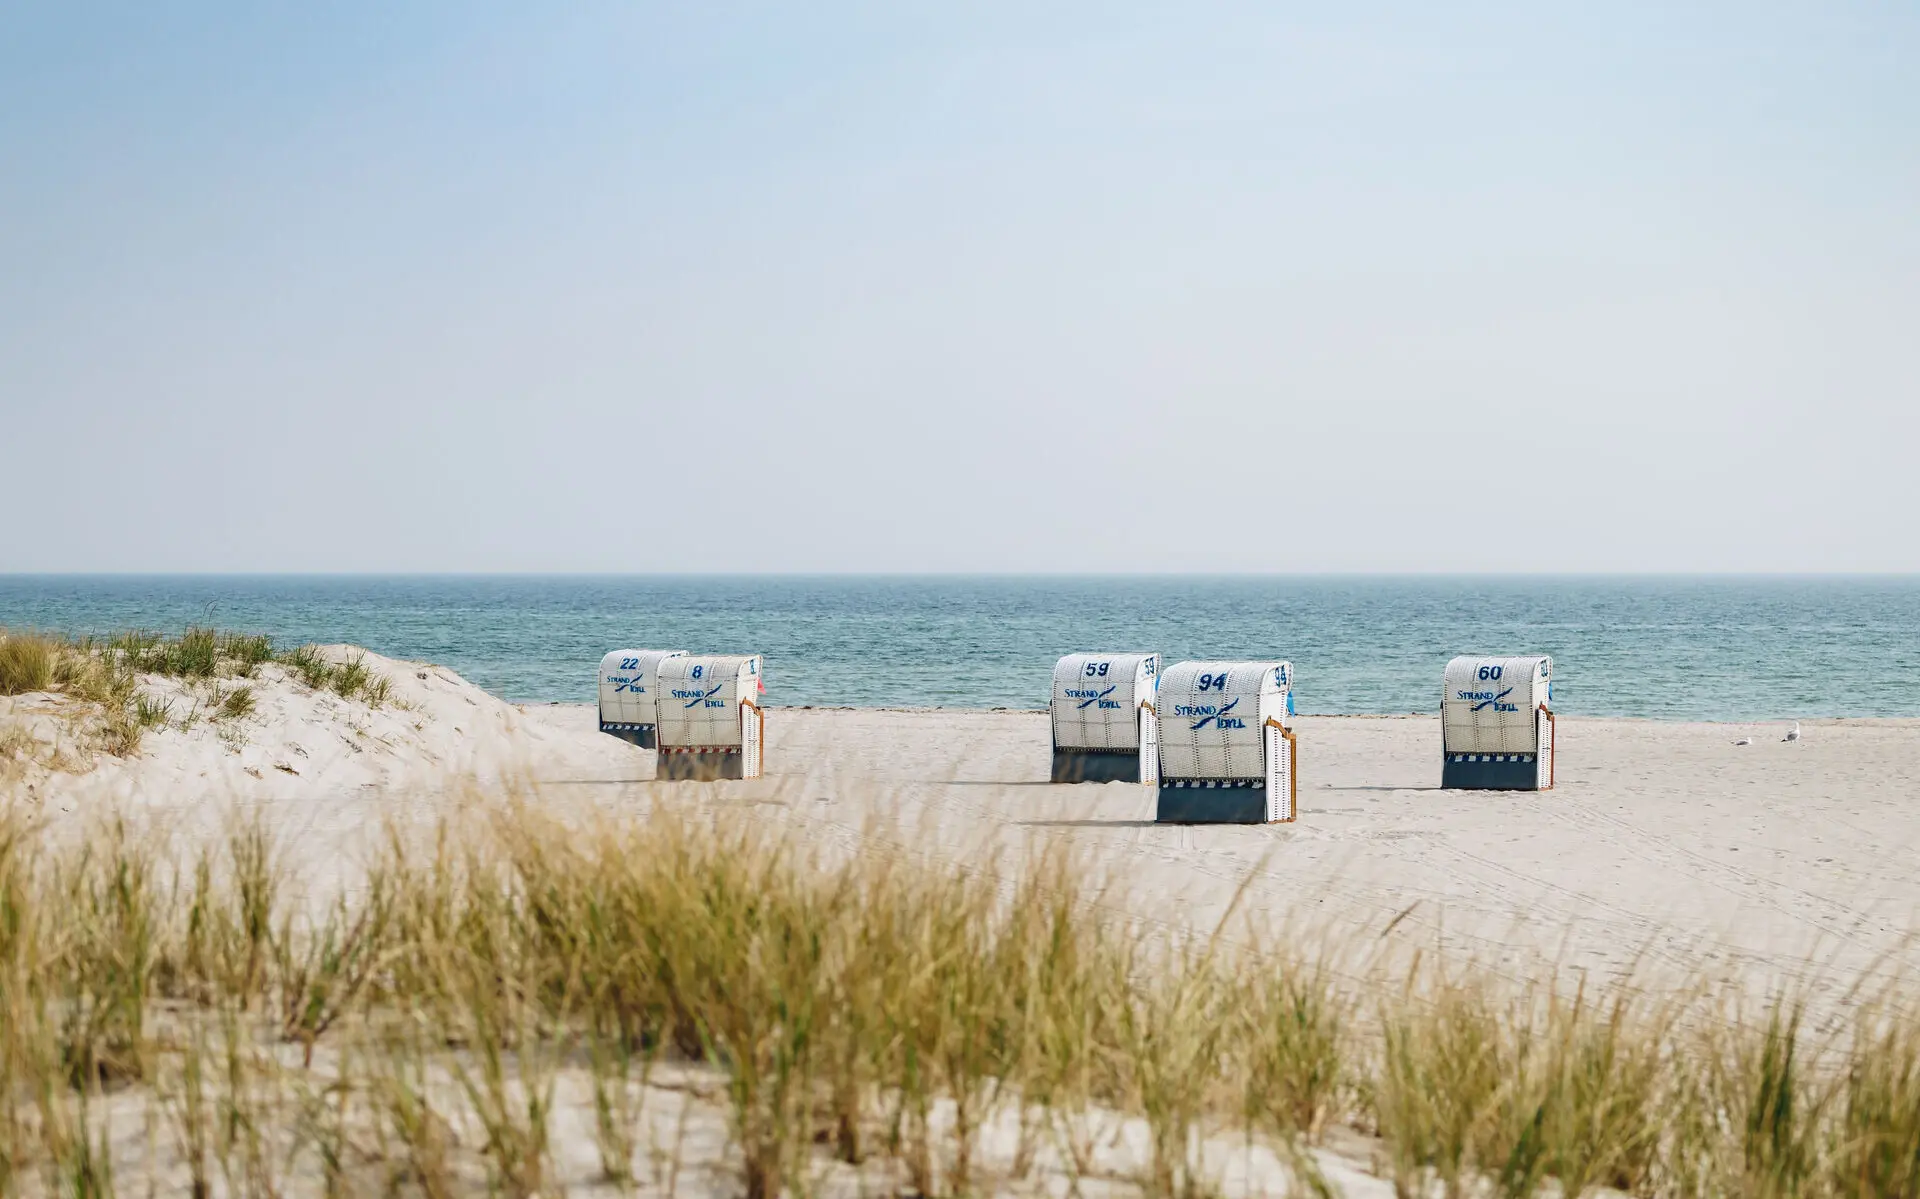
(1094, 699)
(1221, 715)
(697, 700)
(1492, 703)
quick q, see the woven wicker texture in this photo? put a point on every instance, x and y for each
(1097, 697)
(630, 684)
(700, 699)
(1212, 716)
(1491, 705)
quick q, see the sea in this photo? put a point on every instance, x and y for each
(1670, 648)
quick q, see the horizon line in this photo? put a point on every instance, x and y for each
(952, 574)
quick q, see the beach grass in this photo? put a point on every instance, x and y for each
(311, 666)
(111, 678)
(26, 663)
(237, 704)
(934, 1029)
(350, 677)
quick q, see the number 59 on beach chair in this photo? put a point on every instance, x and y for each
(1104, 725)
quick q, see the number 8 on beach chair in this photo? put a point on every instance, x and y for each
(711, 725)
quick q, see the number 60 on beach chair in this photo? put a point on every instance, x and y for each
(1496, 724)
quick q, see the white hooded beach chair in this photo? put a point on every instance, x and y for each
(1105, 729)
(1227, 748)
(629, 689)
(711, 725)
(1496, 724)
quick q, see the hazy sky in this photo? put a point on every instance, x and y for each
(960, 287)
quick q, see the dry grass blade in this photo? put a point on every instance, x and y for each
(417, 1142)
(619, 1097)
(1875, 1139)
(189, 1104)
(1293, 1034)
(1778, 1104)
(109, 949)
(1443, 1065)
(1171, 1032)
(323, 971)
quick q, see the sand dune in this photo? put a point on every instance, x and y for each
(300, 742)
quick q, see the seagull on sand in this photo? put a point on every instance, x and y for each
(1744, 741)
(1793, 734)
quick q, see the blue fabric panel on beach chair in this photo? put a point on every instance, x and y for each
(633, 734)
(1490, 772)
(1212, 801)
(701, 765)
(1096, 766)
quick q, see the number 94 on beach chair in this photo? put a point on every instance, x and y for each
(1227, 748)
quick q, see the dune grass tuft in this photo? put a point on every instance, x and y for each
(349, 679)
(351, 676)
(194, 655)
(150, 713)
(377, 691)
(313, 668)
(26, 662)
(246, 651)
(236, 704)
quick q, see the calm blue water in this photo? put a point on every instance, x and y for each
(1722, 649)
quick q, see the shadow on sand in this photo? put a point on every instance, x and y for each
(1087, 823)
(1002, 783)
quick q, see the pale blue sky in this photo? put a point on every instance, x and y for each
(960, 287)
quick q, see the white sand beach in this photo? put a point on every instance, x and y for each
(1665, 850)
(1663, 845)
